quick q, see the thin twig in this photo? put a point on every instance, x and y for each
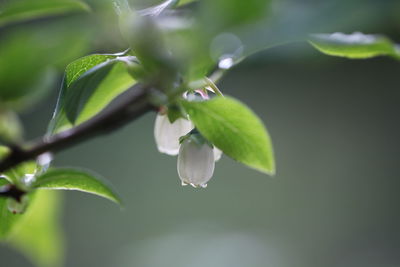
(134, 103)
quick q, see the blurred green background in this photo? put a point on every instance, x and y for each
(334, 201)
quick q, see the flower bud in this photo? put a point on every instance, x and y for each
(167, 134)
(195, 163)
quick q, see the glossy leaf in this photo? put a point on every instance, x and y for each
(233, 128)
(78, 67)
(79, 180)
(37, 234)
(356, 45)
(89, 85)
(17, 11)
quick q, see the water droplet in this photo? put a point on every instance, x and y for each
(226, 63)
(226, 48)
(356, 37)
(194, 96)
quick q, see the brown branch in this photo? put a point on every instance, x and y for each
(134, 103)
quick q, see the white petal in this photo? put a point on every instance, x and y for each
(217, 154)
(195, 163)
(167, 134)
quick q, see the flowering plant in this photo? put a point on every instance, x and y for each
(176, 53)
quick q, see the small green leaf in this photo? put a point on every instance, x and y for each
(18, 11)
(233, 128)
(356, 45)
(89, 85)
(78, 67)
(7, 219)
(18, 173)
(37, 234)
(72, 179)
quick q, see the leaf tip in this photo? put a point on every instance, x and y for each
(270, 169)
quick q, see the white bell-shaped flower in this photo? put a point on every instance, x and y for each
(217, 154)
(195, 163)
(167, 134)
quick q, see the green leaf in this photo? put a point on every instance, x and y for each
(233, 128)
(10, 127)
(78, 67)
(7, 219)
(18, 11)
(79, 180)
(4, 151)
(356, 45)
(37, 234)
(89, 85)
(15, 174)
(28, 68)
